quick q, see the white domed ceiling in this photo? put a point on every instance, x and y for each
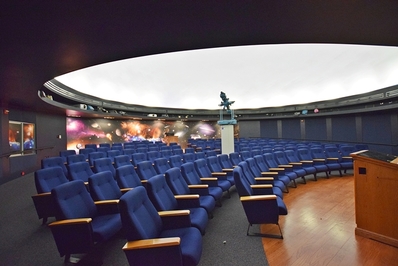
(252, 76)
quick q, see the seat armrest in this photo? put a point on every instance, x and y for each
(295, 163)
(264, 180)
(269, 173)
(188, 201)
(333, 159)
(306, 161)
(174, 213)
(175, 219)
(319, 160)
(152, 243)
(227, 170)
(258, 197)
(45, 194)
(276, 169)
(201, 189)
(261, 186)
(187, 197)
(71, 222)
(218, 174)
(124, 190)
(211, 181)
(199, 186)
(285, 166)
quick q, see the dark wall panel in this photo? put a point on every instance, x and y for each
(249, 129)
(376, 128)
(291, 129)
(315, 129)
(344, 129)
(268, 129)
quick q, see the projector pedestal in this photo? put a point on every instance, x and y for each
(227, 133)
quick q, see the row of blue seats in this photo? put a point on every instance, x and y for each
(156, 181)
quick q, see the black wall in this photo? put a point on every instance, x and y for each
(377, 129)
(47, 128)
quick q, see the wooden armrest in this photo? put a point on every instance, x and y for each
(86, 183)
(269, 173)
(285, 166)
(45, 194)
(126, 189)
(152, 243)
(261, 186)
(174, 213)
(71, 221)
(193, 196)
(276, 169)
(104, 202)
(227, 169)
(319, 160)
(218, 174)
(208, 178)
(264, 178)
(258, 197)
(198, 186)
(295, 163)
(144, 181)
(307, 161)
(346, 157)
(333, 159)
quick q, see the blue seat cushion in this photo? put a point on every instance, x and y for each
(105, 226)
(191, 243)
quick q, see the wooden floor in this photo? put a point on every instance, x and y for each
(319, 229)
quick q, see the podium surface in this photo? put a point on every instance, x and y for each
(376, 196)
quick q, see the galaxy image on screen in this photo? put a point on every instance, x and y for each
(95, 131)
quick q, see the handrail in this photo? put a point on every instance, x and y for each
(8, 154)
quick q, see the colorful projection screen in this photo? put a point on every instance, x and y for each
(87, 131)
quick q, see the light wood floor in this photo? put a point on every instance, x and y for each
(319, 228)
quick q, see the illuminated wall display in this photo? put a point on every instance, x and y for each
(21, 137)
(86, 131)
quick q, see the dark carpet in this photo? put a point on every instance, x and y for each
(24, 241)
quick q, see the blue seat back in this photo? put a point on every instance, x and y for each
(200, 155)
(161, 165)
(76, 158)
(145, 170)
(103, 186)
(175, 161)
(104, 164)
(213, 164)
(188, 157)
(94, 156)
(112, 154)
(138, 157)
(234, 157)
(127, 177)
(176, 181)
(241, 183)
(201, 168)
(48, 178)
(80, 171)
(224, 161)
(73, 201)
(122, 160)
(261, 164)
(160, 194)
(140, 218)
(152, 156)
(54, 161)
(86, 152)
(304, 154)
(189, 173)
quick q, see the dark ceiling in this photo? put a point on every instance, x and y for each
(42, 40)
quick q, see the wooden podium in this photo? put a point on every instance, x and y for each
(376, 196)
(170, 139)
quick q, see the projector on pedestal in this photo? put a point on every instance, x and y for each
(227, 125)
